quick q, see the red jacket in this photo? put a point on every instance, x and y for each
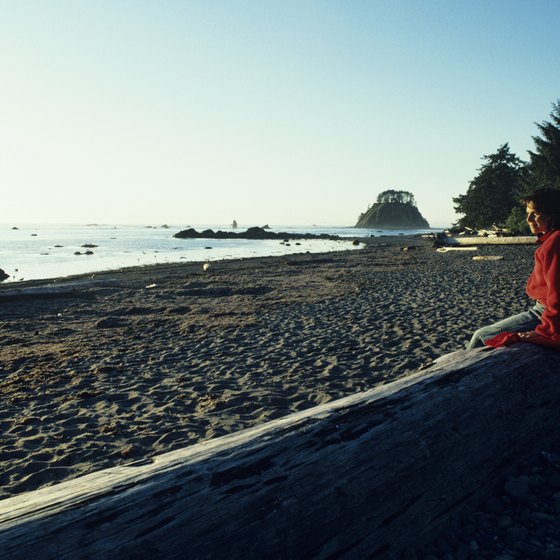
(544, 286)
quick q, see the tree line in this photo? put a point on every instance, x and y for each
(492, 197)
(396, 197)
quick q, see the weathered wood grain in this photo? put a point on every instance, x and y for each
(361, 477)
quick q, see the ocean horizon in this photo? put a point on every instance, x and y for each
(46, 251)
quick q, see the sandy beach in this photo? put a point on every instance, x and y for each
(145, 360)
(136, 362)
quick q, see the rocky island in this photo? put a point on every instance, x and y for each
(393, 209)
(251, 233)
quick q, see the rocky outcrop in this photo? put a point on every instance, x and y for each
(395, 215)
(251, 233)
(3, 275)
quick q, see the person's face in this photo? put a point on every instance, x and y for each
(538, 222)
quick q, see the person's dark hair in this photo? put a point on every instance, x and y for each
(546, 201)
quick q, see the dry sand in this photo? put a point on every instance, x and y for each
(158, 358)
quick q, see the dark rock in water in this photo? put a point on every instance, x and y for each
(89, 245)
(256, 233)
(3, 275)
(190, 233)
(15, 227)
(251, 233)
(89, 252)
(77, 252)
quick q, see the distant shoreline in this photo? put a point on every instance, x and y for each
(44, 252)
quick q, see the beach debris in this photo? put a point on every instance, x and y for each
(494, 231)
(205, 266)
(488, 258)
(209, 402)
(472, 237)
(126, 452)
(448, 249)
(109, 429)
(150, 286)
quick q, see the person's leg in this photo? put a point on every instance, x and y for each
(526, 321)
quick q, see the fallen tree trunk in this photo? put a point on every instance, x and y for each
(491, 240)
(363, 476)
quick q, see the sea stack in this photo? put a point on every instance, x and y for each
(393, 210)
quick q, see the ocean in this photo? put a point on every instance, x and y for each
(41, 251)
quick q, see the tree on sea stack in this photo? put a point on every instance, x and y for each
(393, 209)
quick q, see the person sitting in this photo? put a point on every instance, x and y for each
(541, 323)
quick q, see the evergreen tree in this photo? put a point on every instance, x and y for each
(544, 165)
(493, 192)
(396, 197)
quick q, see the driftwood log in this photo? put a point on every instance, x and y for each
(360, 477)
(491, 240)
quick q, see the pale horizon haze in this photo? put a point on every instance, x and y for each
(292, 112)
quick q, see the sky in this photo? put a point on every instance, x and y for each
(292, 112)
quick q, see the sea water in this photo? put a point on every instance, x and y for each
(35, 251)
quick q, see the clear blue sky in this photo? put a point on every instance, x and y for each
(278, 112)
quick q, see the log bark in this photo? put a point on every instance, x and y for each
(360, 477)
